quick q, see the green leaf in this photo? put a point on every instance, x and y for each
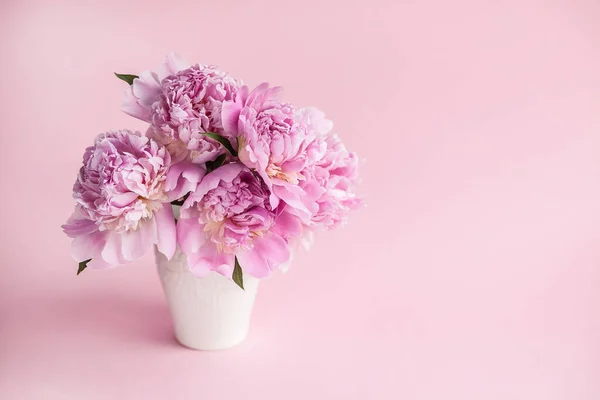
(82, 266)
(221, 140)
(237, 276)
(127, 77)
(212, 165)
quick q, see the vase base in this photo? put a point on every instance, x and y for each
(192, 344)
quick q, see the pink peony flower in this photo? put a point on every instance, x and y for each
(331, 185)
(120, 195)
(190, 101)
(228, 216)
(277, 140)
(145, 90)
(182, 102)
(190, 105)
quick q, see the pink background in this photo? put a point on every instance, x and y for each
(473, 274)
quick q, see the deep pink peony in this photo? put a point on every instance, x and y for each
(228, 216)
(182, 102)
(120, 195)
(279, 141)
(190, 102)
(189, 105)
(145, 90)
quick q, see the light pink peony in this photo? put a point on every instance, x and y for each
(331, 185)
(229, 216)
(120, 195)
(277, 140)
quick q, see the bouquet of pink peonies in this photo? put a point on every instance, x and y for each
(234, 177)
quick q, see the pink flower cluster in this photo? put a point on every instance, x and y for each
(254, 176)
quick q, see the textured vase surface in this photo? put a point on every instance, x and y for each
(209, 313)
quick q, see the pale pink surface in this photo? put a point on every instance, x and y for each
(473, 274)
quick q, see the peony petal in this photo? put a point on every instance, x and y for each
(269, 252)
(183, 178)
(113, 252)
(123, 199)
(190, 235)
(88, 246)
(253, 264)
(293, 166)
(274, 248)
(241, 96)
(315, 119)
(173, 63)
(99, 263)
(209, 258)
(146, 89)
(148, 229)
(225, 173)
(307, 240)
(285, 266)
(131, 107)
(166, 231)
(273, 201)
(187, 170)
(230, 114)
(134, 244)
(78, 224)
(226, 269)
(292, 199)
(256, 93)
(288, 225)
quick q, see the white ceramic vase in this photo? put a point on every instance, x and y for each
(209, 313)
